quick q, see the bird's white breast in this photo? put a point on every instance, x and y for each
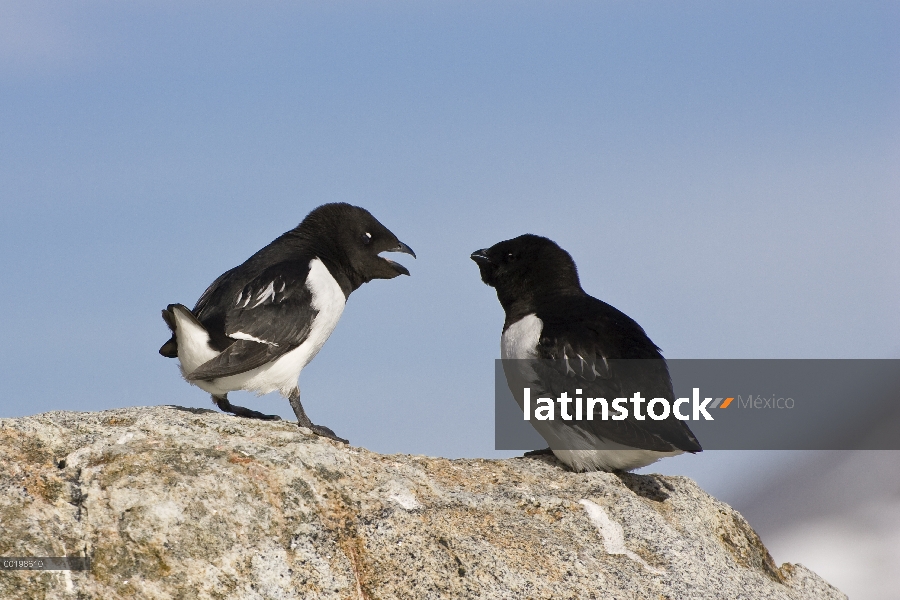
(520, 339)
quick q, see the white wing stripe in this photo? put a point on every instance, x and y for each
(240, 335)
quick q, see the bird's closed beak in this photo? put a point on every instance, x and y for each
(481, 257)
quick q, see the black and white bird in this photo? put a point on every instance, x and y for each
(570, 339)
(260, 323)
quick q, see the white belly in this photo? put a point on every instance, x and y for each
(610, 460)
(280, 375)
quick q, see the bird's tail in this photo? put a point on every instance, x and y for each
(170, 348)
(190, 341)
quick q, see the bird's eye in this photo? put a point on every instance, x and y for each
(367, 238)
(510, 257)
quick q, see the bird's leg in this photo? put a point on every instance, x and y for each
(303, 420)
(223, 404)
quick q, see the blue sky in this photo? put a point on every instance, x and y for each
(727, 174)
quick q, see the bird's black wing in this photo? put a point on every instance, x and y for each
(260, 321)
(609, 356)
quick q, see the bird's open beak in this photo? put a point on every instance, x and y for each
(481, 257)
(401, 247)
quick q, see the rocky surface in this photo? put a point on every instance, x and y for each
(184, 503)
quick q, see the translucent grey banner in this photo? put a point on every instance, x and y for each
(736, 404)
(45, 563)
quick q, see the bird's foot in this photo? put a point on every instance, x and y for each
(541, 452)
(303, 420)
(240, 411)
(325, 432)
(253, 414)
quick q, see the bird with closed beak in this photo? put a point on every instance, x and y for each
(556, 337)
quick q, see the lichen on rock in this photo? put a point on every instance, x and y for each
(182, 503)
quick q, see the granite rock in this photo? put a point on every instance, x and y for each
(171, 502)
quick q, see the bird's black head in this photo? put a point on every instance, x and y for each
(353, 239)
(525, 268)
